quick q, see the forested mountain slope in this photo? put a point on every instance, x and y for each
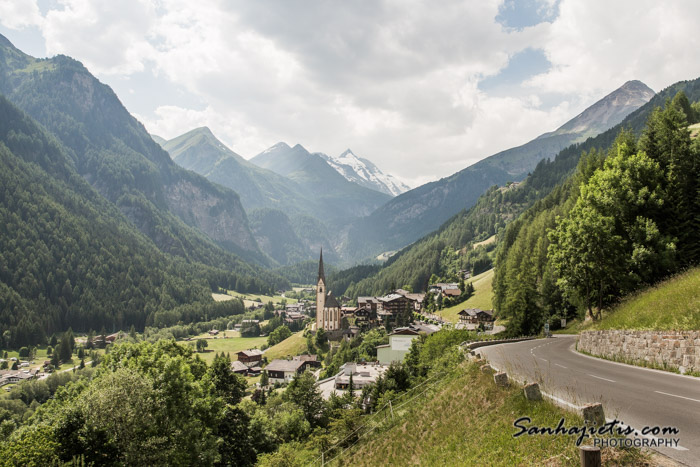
(628, 217)
(115, 154)
(70, 258)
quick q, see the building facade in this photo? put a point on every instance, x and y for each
(327, 307)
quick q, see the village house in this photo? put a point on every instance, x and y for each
(442, 287)
(415, 298)
(395, 308)
(250, 357)
(13, 376)
(283, 371)
(310, 361)
(369, 303)
(476, 316)
(362, 375)
(294, 307)
(400, 342)
(213, 332)
(239, 368)
(294, 317)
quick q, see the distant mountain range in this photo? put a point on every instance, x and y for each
(296, 202)
(365, 173)
(417, 212)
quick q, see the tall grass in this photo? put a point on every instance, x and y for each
(467, 420)
(673, 304)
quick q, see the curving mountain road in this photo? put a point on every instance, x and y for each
(636, 396)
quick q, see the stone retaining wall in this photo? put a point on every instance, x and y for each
(663, 349)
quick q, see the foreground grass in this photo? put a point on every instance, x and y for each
(673, 304)
(483, 292)
(467, 420)
(291, 346)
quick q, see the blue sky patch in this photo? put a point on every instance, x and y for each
(521, 66)
(519, 14)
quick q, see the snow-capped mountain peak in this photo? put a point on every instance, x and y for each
(365, 173)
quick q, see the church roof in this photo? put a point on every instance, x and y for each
(331, 302)
(321, 274)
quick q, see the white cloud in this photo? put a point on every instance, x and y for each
(397, 81)
(109, 37)
(597, 45)
(19, 14)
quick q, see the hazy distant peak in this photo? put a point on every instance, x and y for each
(277, 147)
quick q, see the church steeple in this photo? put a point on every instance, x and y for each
(321, 275)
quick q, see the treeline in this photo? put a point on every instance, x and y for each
(68, 258)
(628, 217)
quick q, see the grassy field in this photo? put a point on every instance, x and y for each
(466, 420)
(488, 241)
(249, 299)
(673, 304)
(227, 345)
(291, 346)
(40, 357)
(220, 297)
(481, 298)
(694, 130)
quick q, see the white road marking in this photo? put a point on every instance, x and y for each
(560, 365)
(674, 395)
(604, 379)
(543, 359)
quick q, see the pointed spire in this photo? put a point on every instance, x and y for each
(321, 275)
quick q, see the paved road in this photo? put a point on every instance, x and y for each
(636, 396)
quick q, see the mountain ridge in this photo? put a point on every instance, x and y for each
(417, 212)
(115, 154)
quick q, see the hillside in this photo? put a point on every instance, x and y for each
(483, 292)
(542, 268)
(417, 212)
(673, 304)
(183, 213)
(70, 258)
(461, 418)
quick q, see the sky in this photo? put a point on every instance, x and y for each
(422, 89)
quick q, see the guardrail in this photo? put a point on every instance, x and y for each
(471, 345)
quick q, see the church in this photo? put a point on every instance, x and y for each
(327, 307)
